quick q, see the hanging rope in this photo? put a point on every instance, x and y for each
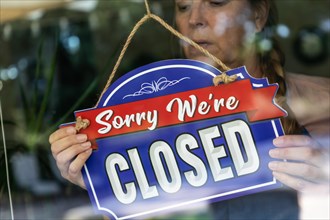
(221, 78)
(147, 7)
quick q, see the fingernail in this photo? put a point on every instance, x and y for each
(86, 144)
(70, 130)
(273, 153)
(81, 137)
(278, 141)
(272, 165)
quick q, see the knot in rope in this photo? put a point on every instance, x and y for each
(224, 78)
(81, 123)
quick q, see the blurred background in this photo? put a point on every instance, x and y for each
(55, 58)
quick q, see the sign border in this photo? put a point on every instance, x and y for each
(142, 71)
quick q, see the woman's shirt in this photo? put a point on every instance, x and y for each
(309, 99)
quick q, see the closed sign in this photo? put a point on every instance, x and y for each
(165, 137)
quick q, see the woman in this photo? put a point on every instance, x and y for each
(235, 31)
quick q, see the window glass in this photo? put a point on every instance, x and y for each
(55, 58)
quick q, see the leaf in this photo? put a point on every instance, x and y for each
(44, 103)
(35, 86)
(28, 114)
(89, 89)
(74, 107)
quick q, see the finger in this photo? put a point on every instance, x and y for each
(69, 154)
(61, 133)
(293, 182)
(67, 142)
(304, 154)
(294, 141)
(76, 166)
(301, 170)
(64, 158)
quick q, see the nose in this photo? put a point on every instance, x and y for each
(196, 19)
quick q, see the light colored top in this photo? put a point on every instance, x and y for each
(309, 99)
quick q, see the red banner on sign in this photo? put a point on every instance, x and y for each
(182, 107)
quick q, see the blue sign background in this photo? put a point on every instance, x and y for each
(159, 79)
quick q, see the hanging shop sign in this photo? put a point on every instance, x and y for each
(165, 137)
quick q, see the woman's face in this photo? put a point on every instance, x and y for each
(223, 27)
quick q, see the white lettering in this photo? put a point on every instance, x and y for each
(231, 129)
(107, 114)
(214, 153)
(185, 108)
(204, 108)
(152, 118)
(183, 142)
(164, 164)
(218, 103)
(147, 191)
(232, 103)
(106, 119)
(155, 151)
(110, 164)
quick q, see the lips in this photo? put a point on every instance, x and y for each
(203, 43)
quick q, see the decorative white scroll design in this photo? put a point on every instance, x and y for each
(155, 86)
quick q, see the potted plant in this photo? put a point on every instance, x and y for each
(33, 125)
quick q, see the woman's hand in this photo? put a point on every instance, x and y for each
(70, 150)
(306, 166)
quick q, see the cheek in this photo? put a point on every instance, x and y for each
(180, 24)
(184, 45)
(222, 23)
(231, 24)
(233, 33)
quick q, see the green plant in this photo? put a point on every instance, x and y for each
(34, 125)
(34, 111)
